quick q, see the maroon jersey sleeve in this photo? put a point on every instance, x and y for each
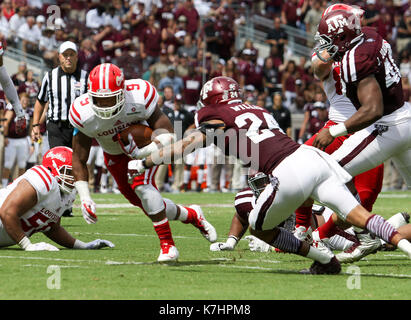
(372, 56)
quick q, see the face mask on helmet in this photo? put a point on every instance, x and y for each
(58, 162)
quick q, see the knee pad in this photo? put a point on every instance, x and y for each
(150, 198)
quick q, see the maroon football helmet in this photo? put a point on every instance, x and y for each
(338, 31)
(219, 90)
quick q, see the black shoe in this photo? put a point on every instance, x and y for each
(68, 213)
(332, 267)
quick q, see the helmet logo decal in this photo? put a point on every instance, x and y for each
(119, 79)
(336, 22)
(58, 156)
(208, 86)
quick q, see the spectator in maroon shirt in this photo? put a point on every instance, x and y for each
(192, 86)
(168, 34)
(108, 40)
(88, 57)
(166, 13)
(218, 69)
(193, 19)
(31, 87)
(289, 14)
(150, 43)
(227, 38)
(231, 70)
(137, 18)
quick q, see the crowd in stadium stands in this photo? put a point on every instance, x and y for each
(164, 42)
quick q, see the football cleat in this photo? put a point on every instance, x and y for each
(205, 227)
(400, 219)
(301, 233)
(366, 245)
(332, 267)
(323, 247)
(168, 253)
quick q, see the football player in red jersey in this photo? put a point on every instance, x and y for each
(296, 172)
(35, 202)
(381, 124)
(111, 105)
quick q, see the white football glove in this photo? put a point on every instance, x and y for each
(257, 245)
(131, 149)
(41, 246)
(98, 244)
(88, 209)
(221, 246)
(135, 168)
(21, 123)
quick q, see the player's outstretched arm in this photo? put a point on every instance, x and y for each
(60, 236)
(81, 149)
(321, 69)
(18, 202)
(237, 230)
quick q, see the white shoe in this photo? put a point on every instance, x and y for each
(399, 219)
(205, 227)
(301, 233)
(116, 191)
(366, 246)
(168, 254)
(103, 189)
(323, 247)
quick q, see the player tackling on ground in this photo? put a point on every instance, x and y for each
(111, 105)
(295, 172)
(35, 202)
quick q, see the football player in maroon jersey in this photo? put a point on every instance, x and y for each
(381, 125)
(296, 172)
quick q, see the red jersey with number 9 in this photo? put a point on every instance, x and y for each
(251, 134)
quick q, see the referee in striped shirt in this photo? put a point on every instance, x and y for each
(59, 88)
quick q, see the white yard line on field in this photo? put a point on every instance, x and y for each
(112, 262)
(128, 205)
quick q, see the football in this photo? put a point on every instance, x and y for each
(140, 132)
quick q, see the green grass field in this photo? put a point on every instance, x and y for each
(129, 270)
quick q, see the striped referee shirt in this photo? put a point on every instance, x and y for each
(60, 89)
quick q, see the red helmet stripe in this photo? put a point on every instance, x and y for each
(101, 75)
(42, 178)
(107, 75)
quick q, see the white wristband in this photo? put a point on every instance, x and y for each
(24, 243)
(78, 244)
(147, 150)
(232, 241)
(338, 130)
(166, 138)
(82, 189)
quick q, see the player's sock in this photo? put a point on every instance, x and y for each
(380, 227)
(175, 211)
(186, 176)
(163, 231)
(327, 230)
(303, 217)
(200, 176)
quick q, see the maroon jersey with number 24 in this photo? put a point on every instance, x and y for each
(251, 134)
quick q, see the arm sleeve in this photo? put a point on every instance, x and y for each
(10, 90)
